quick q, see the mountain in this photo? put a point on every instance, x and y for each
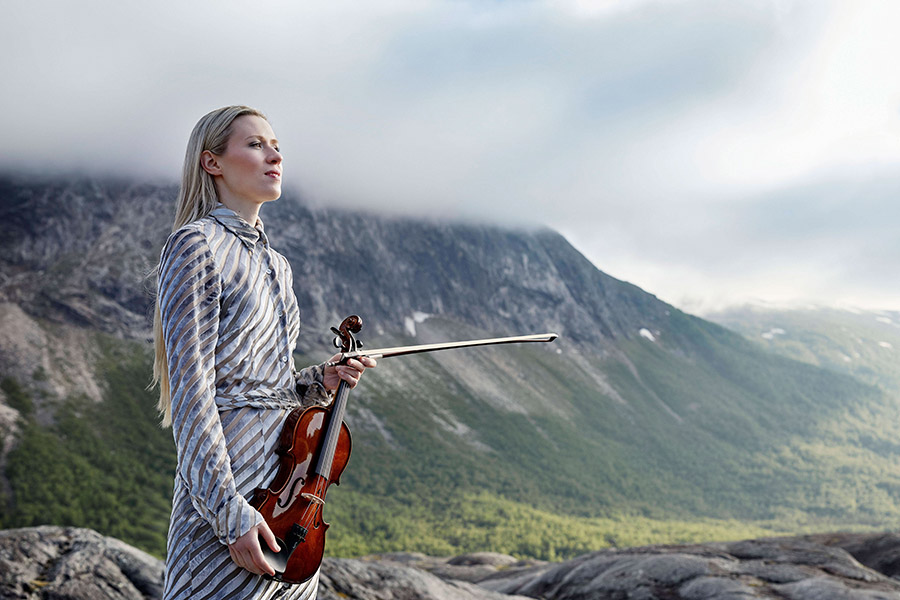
(640, 424)
(857, 342)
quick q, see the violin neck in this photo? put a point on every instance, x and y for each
(333, 431)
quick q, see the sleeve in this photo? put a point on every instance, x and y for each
(189, 291)
(308, 382)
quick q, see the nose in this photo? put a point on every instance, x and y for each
(274, 156)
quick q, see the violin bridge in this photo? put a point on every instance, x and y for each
(312, 498)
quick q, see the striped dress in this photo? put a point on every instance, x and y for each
(230, 323)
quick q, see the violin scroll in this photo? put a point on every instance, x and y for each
(344, 334)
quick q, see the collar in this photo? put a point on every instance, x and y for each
(248, 234)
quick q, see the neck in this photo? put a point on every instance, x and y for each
(248, 211)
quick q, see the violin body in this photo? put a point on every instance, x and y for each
(292, 504)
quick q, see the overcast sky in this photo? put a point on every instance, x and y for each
(707, 151)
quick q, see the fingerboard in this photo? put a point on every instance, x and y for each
(338, 408)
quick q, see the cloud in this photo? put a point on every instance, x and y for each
(450, 90)
(650, 132)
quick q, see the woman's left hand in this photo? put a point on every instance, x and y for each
(350, 372)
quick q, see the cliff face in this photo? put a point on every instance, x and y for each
(488, 277)
(78, 252)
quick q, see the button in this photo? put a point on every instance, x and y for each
(280, 312)
(268, 271)
(284, 359)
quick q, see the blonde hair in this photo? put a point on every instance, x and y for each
(197, 197)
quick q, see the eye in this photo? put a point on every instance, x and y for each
(256, 144)
(277, 149)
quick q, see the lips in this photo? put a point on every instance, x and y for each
(274, 174)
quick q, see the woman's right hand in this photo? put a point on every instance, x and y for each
(247, 553)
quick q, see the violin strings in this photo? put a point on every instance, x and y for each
(306, 519)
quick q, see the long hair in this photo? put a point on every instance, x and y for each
(197, 197)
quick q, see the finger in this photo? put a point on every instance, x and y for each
(257, 560)
(355, 364)
(262, 565)
(350, 376)
(369, 362)
(349, 373)
(268, 536)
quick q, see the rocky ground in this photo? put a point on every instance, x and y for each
(69, 563)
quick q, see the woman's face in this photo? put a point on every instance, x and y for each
(250, 168)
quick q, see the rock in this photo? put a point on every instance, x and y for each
(492, 559)
(388, 580)
(793, 568)
(68, 563)
(63, 562)
(477, 566)
(880, 552)
(51, 562)
(472, 567)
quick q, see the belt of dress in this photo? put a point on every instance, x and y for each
(260, 398)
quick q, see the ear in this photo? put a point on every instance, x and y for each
(210, 163)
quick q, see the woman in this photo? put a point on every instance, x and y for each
(226, 326)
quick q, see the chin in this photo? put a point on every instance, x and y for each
(272, 195)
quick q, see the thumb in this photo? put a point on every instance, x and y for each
(268, 536)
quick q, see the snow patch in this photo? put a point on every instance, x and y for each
(409, 323)
(410, 326)
(645, 333)
(883, 320)
(887, 345)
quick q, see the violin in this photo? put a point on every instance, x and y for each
(313, 450)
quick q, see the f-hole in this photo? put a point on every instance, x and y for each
(290, 496)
